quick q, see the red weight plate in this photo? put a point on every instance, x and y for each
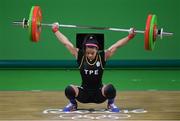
(34, 23)
(36, 27)
(146, 38)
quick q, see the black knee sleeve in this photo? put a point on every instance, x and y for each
(110, 91)
(70, 92)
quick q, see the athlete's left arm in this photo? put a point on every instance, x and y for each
(112, 49)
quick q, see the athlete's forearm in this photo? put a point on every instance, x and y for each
(63, 39)
(120, 42)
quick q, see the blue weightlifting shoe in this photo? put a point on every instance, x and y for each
(113, 108)
(70, 107)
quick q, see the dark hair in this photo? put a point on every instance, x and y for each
(90, 41)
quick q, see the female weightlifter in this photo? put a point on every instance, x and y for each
(91, 64)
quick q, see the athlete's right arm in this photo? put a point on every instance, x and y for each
(64, 40)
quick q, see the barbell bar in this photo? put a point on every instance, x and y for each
(20, 23)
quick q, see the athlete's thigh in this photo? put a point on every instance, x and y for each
(83, 96)
(98, 97)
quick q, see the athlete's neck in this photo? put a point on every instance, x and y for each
(91, 61)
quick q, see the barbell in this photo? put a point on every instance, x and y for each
(34, 25)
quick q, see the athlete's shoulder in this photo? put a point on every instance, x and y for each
(102, 57)
(101, 53)
(80, 56)
(80, 53)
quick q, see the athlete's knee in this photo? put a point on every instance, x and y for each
(110, 91)
(70, 92)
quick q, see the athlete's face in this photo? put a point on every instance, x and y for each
(91, 53)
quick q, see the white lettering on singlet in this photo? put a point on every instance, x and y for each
(90, 72)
